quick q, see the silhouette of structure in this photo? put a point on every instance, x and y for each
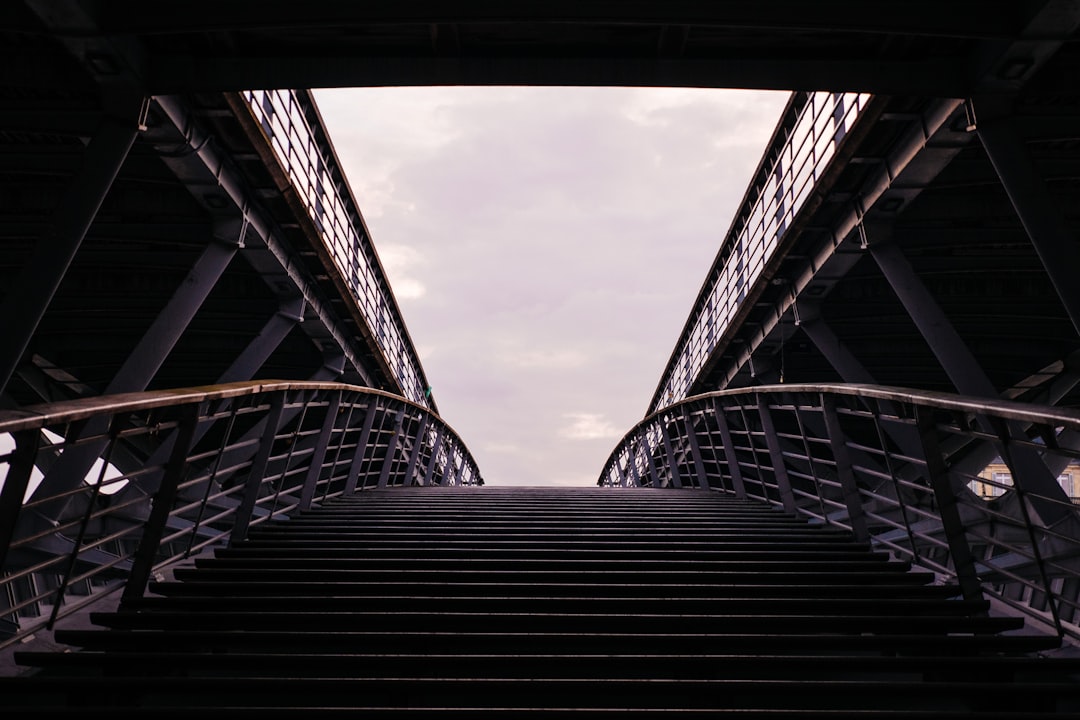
(222, 446)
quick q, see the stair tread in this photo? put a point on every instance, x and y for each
(398, 605)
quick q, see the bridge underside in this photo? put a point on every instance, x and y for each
(955, 274)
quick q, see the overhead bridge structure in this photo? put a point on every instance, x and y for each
(227, 485)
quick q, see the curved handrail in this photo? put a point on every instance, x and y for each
(182, 470)
(900, 467)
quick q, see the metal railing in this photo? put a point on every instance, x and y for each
(285, 119)
(185, 470)
(895, 466)
(807, 140)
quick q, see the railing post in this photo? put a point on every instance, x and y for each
(632, 465)
(695, 451)
(435, 445)
(391, 450)
(654, 476)
(673, 465)
(1019, 488)
(963, 561)
(729, 451)
(258, 468)
(338, 446)
(361, 447)
(844, 471)
(418, 443)
(783, 482)
(307, 493)
(142, 563)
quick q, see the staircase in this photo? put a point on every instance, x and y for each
(548, 603)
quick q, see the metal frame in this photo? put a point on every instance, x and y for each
(829, 453)
(236, 455)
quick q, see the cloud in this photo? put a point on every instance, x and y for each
(544, 358)
(545, 246)
(402, 264)
(589, 426)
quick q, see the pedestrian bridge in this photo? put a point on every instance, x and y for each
(227, 485)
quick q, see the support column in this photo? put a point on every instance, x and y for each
(673, 465)
(391, 451)
(264, 344)
(318, 456)
(25, 304)
(844, 470)
(414, 453)
(850, 369)
(141, 365)
(956, 359)
(360, 454)
(730, 455)
(243, 368)
(631, 463)
(158, 341)
(695, 450)
(961, 366)
(951, 522)
(783, 482)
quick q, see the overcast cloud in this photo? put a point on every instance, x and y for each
(545, 246)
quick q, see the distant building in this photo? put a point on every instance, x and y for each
(996, 479)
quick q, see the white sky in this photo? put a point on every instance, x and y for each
(545, 246)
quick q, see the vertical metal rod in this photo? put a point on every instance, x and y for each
(845, 472)
(760, 475)
(452, 458)
(808, 451)
(695, 450)
(673, 466)
(345, 426)
(435, 445)
(951, 522)
(318, 455)
(279, 486)
(213, 474)
(414, 455)
(80, 536)
(142, 563)
(1021, 496)
(892, 472)
(360, 453)
(730, 456)
(783, 482)
(654, 476)
(258, 469)
(391, 450)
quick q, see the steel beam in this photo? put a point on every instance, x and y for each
(960, 364)
(139, 368)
